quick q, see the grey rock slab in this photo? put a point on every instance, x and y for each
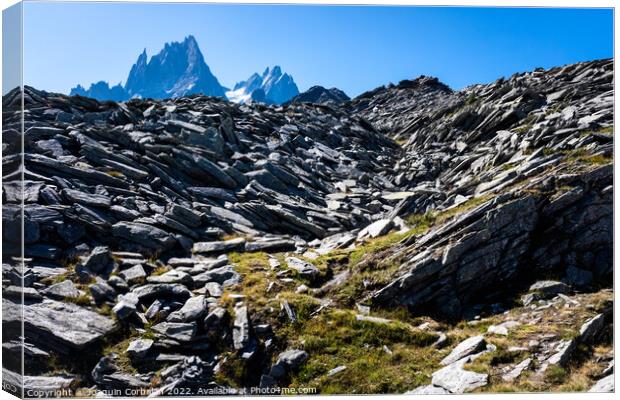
(549, 288)
(292, 359)
(298, 222)
(219, 247)
(225, 276)
(172, 276)
(428, 389)
(80, 328)
(502, 329)
(605, 385)
(193, 309)
(455, 379)
(144, 234)
(336, 370)
(158, 290)
(215, 319)
(98, 259)
(270, 245)
(465, 348)
(118, 283)
(133, 274)
(106, 374)
(62, 290)
(518, 369)
(126, 305)
(176, 124)
(374, 320)
(43, 386)
(89, 199)
(17, 292)
(183, 332)
(185, 215)
(376, 229)
(102, 291)
(304, 268)
(214, 289)
(591, 330)
(241, 328)
(139, 348)
(562, 353)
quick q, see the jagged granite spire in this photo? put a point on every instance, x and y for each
(271, 87)
(179, 69)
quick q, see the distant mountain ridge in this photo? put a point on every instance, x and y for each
(271, 87)
(179, 69)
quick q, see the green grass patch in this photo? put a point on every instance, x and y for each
(555, 374)
(337, 338)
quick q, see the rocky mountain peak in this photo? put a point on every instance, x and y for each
(275, 87)
(179, 69)
(424, 82)
(320, 95)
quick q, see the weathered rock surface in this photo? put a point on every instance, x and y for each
(467, 347)
(80, 328)
(455, 379)
(604, 385)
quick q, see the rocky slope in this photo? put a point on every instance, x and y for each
(413, 239)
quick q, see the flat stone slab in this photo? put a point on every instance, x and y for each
(304, 268)
(67, 323)
(605, 385)
(428, 389)
(183, 332)
(466, 347)
(517, 370)
(219, 247)
(455, 379)
(38, 386)
(62, 290)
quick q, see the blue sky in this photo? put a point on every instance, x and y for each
(353, 48)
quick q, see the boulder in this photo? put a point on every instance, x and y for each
(62, 290)
(292, 359)
(304, 268)
(591, 329)
(98, 260)
(376, 229)
(81, 327)
(144, 235)
(193, 309)
(241, 328)
(455, 379)
(183, 332)
(139, 348)
(134, 274)
(467, 347)
(219, 247)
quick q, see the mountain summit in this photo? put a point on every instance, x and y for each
(179, 69)
(271, 87)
